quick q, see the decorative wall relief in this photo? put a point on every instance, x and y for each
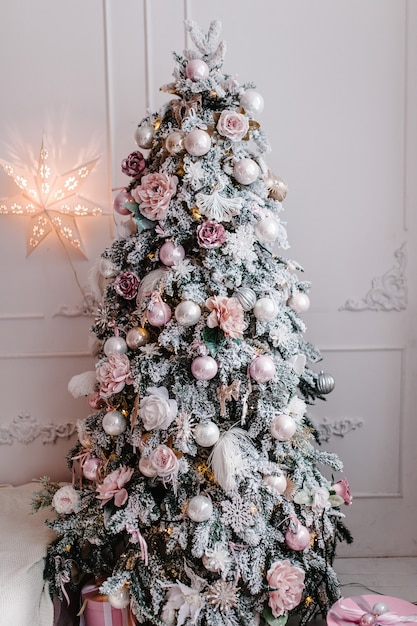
(388, 292)
(337, 428)
(24, 429)
(86, 308)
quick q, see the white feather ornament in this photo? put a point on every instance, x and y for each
(96, 282)
(149, 283)
(217, 207)
(227, 459)
(82, 384)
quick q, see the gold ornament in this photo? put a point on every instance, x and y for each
(196, 214)
(308, 601)
(67, 548)
(277, 188)
(180, 170)
(157, 123)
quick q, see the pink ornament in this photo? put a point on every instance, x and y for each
(196, 70)
(262, 368)
(298, 540)
(283, 427)
(91, 467)
(204, 368)
(299, 302)
(197, 142)
(158, 313)
(119, 201)
(170, 254)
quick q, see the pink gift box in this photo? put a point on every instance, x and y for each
(98, 611)
(350, 610)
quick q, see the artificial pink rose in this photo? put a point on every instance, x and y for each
(288, 584)
(113, 374)
(126, 285)
(66, 500)
(342, 489)
(154, 194)
(211, 235)
(228, 314)
(163, 461)
(113, 486)
(134, 164)
(233, 125)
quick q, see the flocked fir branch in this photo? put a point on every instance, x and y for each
(200, 494)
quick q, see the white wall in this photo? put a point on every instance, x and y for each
(338, 81)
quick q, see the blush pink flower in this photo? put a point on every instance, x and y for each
(342, 489)
(227, 313)
(113, 374)
(126, 285)
(66, 500)
(112, 486)
(233, 125)
(163, 461)
(154, 195)
(211, 235)
(287, 582)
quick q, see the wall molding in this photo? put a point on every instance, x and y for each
(24, 429)
(337, 428)
(388, 292)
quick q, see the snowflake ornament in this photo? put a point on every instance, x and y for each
(237, 513)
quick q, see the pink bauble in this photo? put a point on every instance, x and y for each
(262, 368)
(246, 171)
(91, 467)
(283, 427)
(197, 69)
(298, 540)
(118, 203)
(204, 368)
(158, 314)
(197, 142)
(170, 254)
(299, 302)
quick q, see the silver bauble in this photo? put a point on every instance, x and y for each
(187, 313)
(247, 297)
(144, 136)
(325, 383)
(115, 345)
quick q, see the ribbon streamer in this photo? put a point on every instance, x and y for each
(137, 537)
(346, 615)
(227, 393)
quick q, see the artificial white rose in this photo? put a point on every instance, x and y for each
(320, 497)
(66, 500)
(156, 410)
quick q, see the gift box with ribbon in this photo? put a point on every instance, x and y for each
(96, 610)
(371, 610)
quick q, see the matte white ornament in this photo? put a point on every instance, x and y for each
(144, 136)
(252, 102)
(267, 230)
(277, 483)
(120, 598)
(206, 434)
(197, 142)
(200, 509)
(265, 310)
(187, 313)
(246, 171)
(299, 302)
(114, 423)
(115, 345)
(283, 427)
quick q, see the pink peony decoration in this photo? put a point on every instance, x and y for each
(233, 125)
(342, 489)
(113, 486)
(66, 500)
(288, 584)
(163, 461)
(113, 374)
(211, 235)
(226, 313)
(154, 194)
(126, 285)
(134, 164)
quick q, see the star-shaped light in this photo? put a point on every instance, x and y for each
(51, 200)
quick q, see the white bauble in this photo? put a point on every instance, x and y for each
(114, 423)
(299, 302)
(277, 483)
(174, 143)
(197, 142)
(246, 171)
(115, 345)
(267, 229)
(120, 598)
(187, 313)
(265, 310)
(252, 102)
(206, 434)
(200, 508)
(283, 427)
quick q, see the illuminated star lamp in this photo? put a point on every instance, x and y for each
(51, 200)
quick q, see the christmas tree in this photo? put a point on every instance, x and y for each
(198, 496)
